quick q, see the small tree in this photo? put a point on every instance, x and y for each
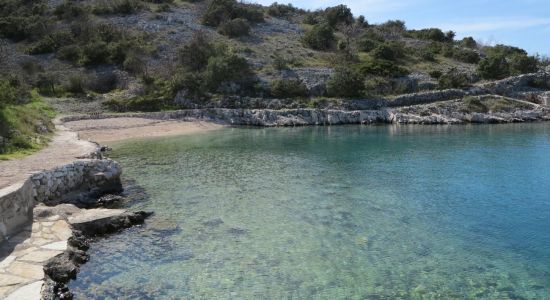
(346, 83)
(194, 55)
(340, 14)
(234, 28)
(320, 37)
(494, 67)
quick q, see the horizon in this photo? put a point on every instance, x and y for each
(517, 23)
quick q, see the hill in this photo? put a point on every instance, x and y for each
(97, 56)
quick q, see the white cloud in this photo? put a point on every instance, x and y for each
(491, 24)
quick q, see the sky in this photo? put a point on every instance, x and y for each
(521, 23)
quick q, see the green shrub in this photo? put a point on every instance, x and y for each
(381, 67)
(320, 37)
(310, 19)
(522, 64)
(194, 56)
(19, 28)
(389, 51)
(72, 53)
(50, 43)
(228, 73)
(393, 27)
(426, 54)
(494, 67)
(467, 56)
(76, 84)
(234, 28)
(69, 10)
(453, 80)
(346, 83)
(194, 86)
(366, 44)
(281, 10)
(159, 95)
(47, 84)
(339, 14)
(435, 74)
(288, 88)
(474, 104)
(96, 53)
(123, 7)
(8, 93)
(219, 11)
(468, 42)
(432, 34)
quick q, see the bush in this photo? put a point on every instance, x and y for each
(69, 10)
(522, 64)
(50, 43)
(435, 74)
(8, 93)
(453, 80)
(72, 53)
(468, 42)
(76, 84)
(194, 56)
(281, 10)
(366, 44)
(432, 34)
(467, 56)
(393, 27)
(219, 11)
(494, 67)
(228, 73)
(381, 67)
(288, 88)
(340, 14)
(389, 51)
(346, 83)
(234, 28)
(123, 7)
(96, 53)
(320, 37)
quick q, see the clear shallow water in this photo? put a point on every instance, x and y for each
(351, 212)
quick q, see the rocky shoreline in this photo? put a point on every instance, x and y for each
(49, 220)
(419, 114)
(62, 268)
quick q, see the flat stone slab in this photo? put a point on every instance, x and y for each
(27, 270)
(8, 280)
(27, 292)
(59, 246)
(90, 215)
(40, 256)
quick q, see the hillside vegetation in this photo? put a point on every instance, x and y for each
(132, 55)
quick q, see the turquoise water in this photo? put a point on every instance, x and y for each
(350, 212)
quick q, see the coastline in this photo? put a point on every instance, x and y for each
(65, 250)
(52, 205)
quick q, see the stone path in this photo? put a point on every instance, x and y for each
(22, 256)
(63, 149)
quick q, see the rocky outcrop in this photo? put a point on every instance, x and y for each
(431, 97)
(62, 268)
(303, 117)
(81, 183)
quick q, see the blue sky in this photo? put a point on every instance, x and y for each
(522, 23)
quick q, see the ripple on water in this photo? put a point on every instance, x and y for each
(346, 212)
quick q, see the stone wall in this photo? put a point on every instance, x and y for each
(16, 204)
(75, 183)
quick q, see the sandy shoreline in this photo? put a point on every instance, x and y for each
(118, 129)
(76, 139)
